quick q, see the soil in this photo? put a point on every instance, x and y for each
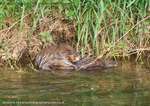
(22, 44)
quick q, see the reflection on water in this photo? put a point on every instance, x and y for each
(127, 85)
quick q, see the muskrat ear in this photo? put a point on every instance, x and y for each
(70, 57)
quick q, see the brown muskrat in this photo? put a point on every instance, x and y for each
(57, 57)
(64, 57)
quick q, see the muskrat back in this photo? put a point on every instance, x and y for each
(57, 55)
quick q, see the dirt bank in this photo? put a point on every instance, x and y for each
(19, 44)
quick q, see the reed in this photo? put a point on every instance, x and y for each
(120, 27)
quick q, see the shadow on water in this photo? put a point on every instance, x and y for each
(127, 85)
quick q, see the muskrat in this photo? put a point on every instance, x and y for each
(57, 57)
(64, 57)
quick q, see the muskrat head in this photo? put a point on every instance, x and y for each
(73, 57)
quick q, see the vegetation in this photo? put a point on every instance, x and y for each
(103, 27)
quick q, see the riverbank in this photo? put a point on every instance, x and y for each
(99, 28)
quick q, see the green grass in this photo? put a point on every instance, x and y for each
(117, 26)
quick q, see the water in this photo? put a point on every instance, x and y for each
(127, 85)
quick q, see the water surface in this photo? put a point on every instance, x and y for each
(126, 85)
